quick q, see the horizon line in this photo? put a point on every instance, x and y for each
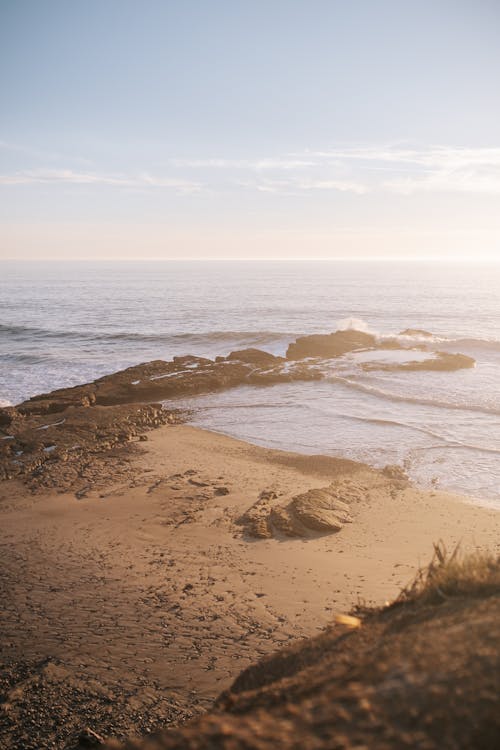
(340, 259)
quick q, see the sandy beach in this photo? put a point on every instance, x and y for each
(148, 592)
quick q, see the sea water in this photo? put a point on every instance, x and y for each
(67, 323)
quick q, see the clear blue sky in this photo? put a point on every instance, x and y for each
(283, 128)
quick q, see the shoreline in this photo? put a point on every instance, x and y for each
(147, 587)
(120, 403)
(472, 500)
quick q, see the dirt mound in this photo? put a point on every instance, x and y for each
(422, 673)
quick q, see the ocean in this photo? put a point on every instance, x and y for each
(66, 323)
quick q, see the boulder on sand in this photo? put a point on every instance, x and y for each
(309, 513)
(321, 510)
(330, 344)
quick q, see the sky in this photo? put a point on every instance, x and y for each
(263, 129)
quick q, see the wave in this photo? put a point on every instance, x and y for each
(206, 336)
(256, 337)
(28, 359)
(251, 336)
(396, 397)
(419, 337)
(441, 342)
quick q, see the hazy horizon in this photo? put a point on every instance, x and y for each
(284, 130)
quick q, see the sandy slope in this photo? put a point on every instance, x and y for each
(150, 591)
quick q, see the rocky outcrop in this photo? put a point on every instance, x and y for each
(256, 521)
(69, 451)
(254, 357)
(444, 361)
(66, 425)
(318, 511)
(330, 345)
(183, 376)
(53, 427)
(188, 376)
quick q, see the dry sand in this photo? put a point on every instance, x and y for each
(151, 588)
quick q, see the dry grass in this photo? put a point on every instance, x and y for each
(452, 574)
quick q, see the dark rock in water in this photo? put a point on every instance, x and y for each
(330, 344)
(158, 380)
(415, 332)
(189, 360)
(284, 372)
(444, 361)
(254, 357)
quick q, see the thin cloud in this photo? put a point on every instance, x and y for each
(245, 164)
(300, 186)
(396, 169)
(359, 170)
(70, 177)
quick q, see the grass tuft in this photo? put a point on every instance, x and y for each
(453, 574)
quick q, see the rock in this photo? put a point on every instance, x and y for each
(284, 522)
(441, 361)
(318, 510)
(285, 373)
(89, 738)
(393, 471)
(415, 332)
(190, 360)
(78, 438)
(255, 357)
(159, 380)
(330, 345)
(256, 520)
(7, 415)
